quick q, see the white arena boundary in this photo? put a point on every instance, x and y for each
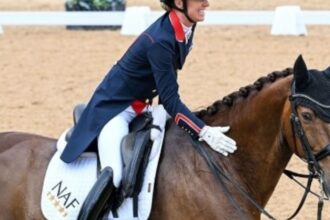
(140, 17)
(22, 18)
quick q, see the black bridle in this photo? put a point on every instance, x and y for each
(312, 160)
(315, 170)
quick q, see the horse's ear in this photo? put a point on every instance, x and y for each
(300, 71)
(327, 72)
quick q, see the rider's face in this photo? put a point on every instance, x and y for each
(196, 9)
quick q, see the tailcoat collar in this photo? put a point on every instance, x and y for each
(176, 24)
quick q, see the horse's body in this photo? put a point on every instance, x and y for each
(259, 117)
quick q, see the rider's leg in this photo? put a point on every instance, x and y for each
(110, 157)
(109, 143)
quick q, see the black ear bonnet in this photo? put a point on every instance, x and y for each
(312, 89)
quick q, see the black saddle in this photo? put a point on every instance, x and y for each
(135, 150)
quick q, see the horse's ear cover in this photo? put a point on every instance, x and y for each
(327, 72)
(313, 87)
(301, 73)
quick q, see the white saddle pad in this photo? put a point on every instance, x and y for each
(67, 185)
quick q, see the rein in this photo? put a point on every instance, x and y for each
(220, 174)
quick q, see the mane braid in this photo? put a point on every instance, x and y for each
(244, 92)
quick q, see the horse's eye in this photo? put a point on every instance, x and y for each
(307, 116)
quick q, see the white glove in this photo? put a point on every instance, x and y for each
(215, 138)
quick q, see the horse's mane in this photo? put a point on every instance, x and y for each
(243, 92)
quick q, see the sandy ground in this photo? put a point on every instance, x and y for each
(45, 71)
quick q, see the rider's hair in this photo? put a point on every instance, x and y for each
(167, 4)
(170, 4)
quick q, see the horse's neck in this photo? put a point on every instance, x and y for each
(262, 150)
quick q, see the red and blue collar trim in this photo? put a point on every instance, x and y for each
(177, 26)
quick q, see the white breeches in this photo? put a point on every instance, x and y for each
(109, 141)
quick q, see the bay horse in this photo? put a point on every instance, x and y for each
(263, 118)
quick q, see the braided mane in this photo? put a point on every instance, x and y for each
(244, 92)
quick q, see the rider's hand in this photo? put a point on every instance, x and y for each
(215, 138)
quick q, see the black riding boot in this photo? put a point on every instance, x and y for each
(98, 196)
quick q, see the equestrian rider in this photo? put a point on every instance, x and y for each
(147, 69)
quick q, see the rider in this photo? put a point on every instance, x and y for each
(148, 68)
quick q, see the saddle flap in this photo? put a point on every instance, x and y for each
(127, 146)
(133, 156)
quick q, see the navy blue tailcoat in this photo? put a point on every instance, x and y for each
(147, 69)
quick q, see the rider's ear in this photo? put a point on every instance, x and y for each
(178, 3)
(300, 72)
